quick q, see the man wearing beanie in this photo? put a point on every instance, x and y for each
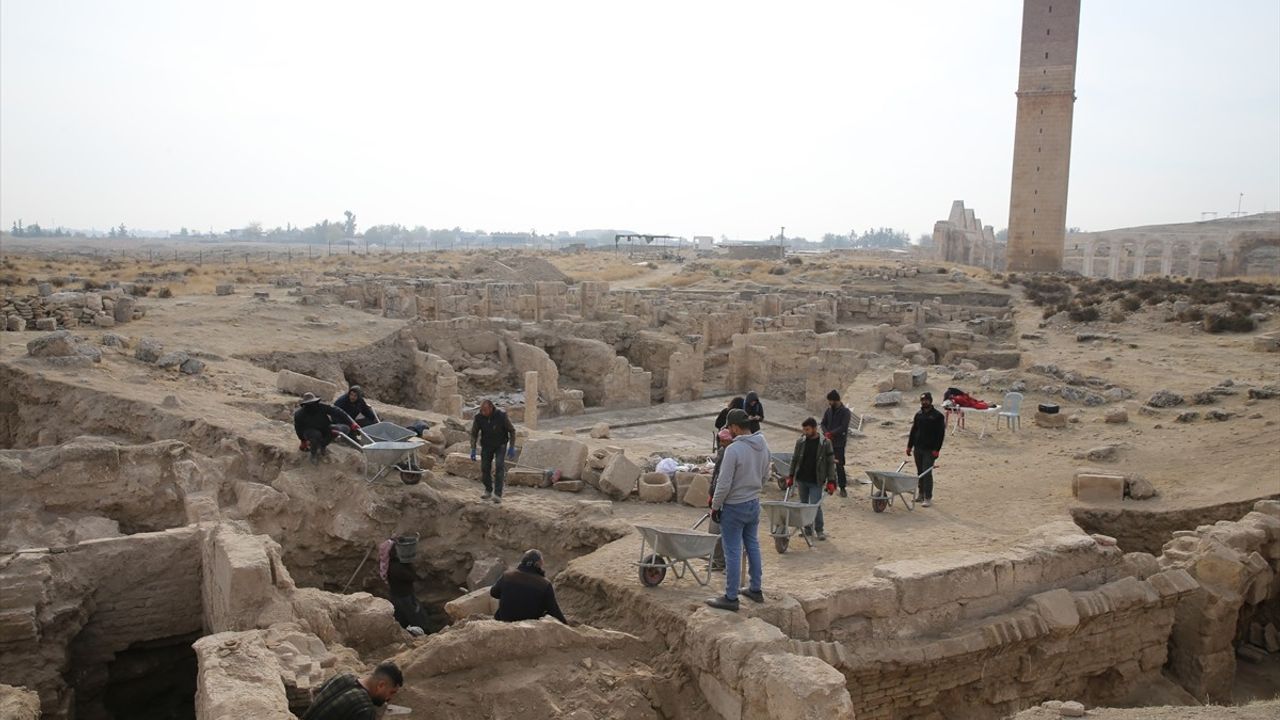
(835, 427)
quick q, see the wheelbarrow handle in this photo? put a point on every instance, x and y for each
(701, 520)
(904, 464)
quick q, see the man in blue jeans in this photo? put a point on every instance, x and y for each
(736, 506)
(813, 469)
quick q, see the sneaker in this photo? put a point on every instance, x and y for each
(926, 503)
(487, 494)
(822, 536)
(416, 631)
(717, 567)
(723, 603)
(844, 493)
(752, 595)
(497, 499)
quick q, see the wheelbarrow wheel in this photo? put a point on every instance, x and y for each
(652, 576)
(879, 504)
(781, 544)
(410, 477)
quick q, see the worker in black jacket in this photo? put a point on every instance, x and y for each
(314, 423)
(496, 435)
(525, 593)
(928, 429)
(352, 403)
(835, 427)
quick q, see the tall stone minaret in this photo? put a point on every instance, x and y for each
(1042, 140)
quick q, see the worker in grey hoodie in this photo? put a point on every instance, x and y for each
(736, 507)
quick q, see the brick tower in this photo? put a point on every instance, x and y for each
(1042, 140)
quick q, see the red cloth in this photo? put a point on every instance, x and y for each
(968, 401)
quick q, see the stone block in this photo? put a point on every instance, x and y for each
(224, 289)
(476, 602)
(1058, 609)
(14, 323)
(46, 324)
(656, 487)
(572, 486)
(1054, 421)
(926, 584)
(683, 480)
(567, 455)
(886, 399)
(1097, 487)
(122, 312)
(485, 572)
(697, 492)
(1116, 415)
(461, 465)
(104, 321)
(297, 384)
(191, 366)
(911, 349)
(600, 430)
(620, 477)
(527, 477)
(919, 377)
(902, 380)
(149, 350)
(57, 344)
(172, 359)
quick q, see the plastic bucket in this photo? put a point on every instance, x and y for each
(407, 547)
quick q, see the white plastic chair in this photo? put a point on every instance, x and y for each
(1012, 411)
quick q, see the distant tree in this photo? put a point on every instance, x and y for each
(882, 239)
(253, 230)
(349, 227)
(184, 232)
(925, 240)
(1002, 235)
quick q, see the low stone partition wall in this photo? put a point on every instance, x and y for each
(1094, 645)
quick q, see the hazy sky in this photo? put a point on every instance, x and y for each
(687, 118)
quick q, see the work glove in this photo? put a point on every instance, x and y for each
(828, 435)
(511, 452)
(715, 516)
(831, 487)
(473, 453)
(355, 427)
(790, 481)
(908, 452)
(304, 445)
(708, 501)
(935, 453)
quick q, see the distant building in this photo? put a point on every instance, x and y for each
(704, 242)
(1247, 245)
(963, 239)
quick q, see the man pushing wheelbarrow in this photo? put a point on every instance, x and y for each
(928, 430)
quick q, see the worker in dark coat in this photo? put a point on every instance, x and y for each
(496, 435)
(314, 422)
(352, 403)
(928, 430)
(755, 411)
(721, 419)
(401, 578)
(525, 593)
(835, 427)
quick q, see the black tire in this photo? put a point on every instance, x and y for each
(879, 504)
(781, 544)
(410, 477)
(652, 576)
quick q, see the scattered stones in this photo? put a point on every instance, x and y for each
(484, 572)
(571, 486)
(191, 366)
(172, 359)
(57, 344)
(1267, 342)
(170, 401)
(46, 324)
(620, 477)
(1018, 386)
(1218, 415)
(1071, 709)
(1102, 452)
(600, 430)
(886, 399)
(1046, 420)
(656, 487)
(1267, 392)
(1187, 416)
(1080, 395)
(1165, 399)
(1116, 415)
(1139, 488)
(224, 289)
(149, 350)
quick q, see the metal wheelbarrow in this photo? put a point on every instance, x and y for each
(885, 484)
(667, 548)
(386, 447)
(780, 468)
(788, 518)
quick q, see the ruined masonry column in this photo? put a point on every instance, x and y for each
(531, 399)
(1086, 268)
(1139, 266)
(1166, 259)
(1113, 271)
